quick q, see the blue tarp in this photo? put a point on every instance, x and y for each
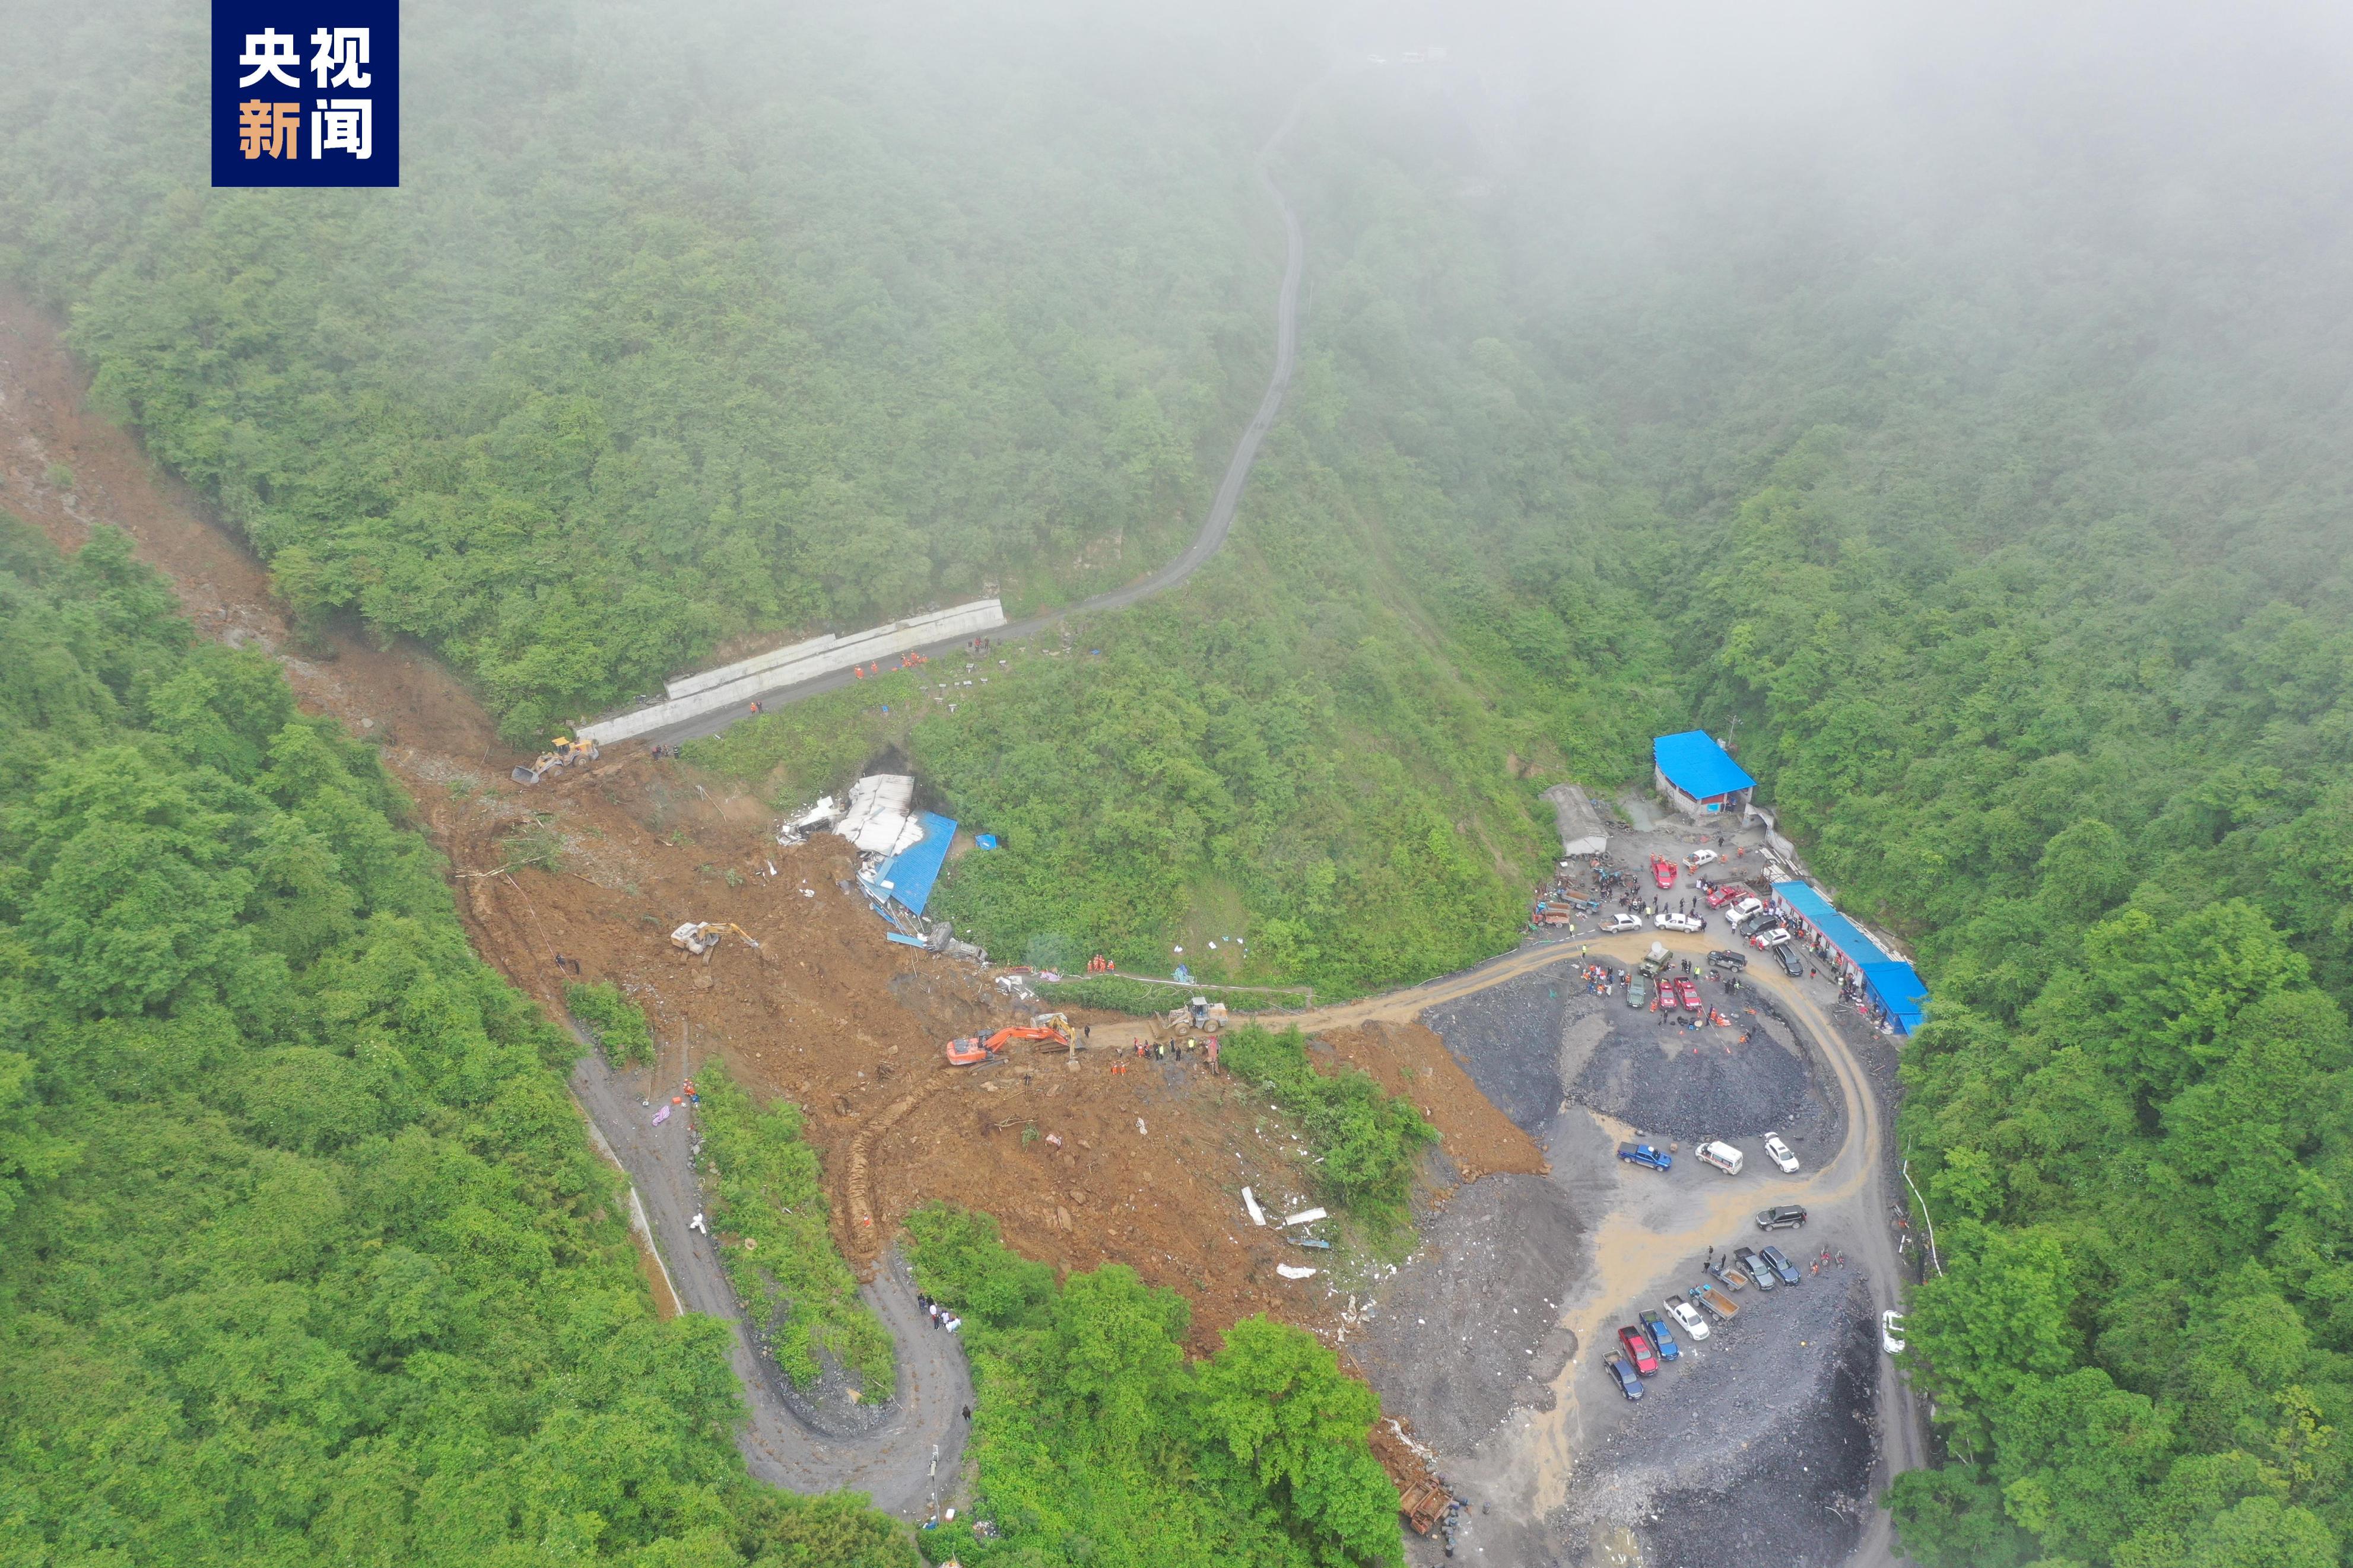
(1696, 765)
(912, 871)
(903, 940)
(1897, 988)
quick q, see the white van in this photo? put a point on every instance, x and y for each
(1723, 1156)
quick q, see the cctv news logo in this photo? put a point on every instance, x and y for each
(306, 94)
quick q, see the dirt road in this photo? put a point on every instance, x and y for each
(1636, 1259)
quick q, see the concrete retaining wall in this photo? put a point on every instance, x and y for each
(734, 685)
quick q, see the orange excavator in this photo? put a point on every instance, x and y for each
(972, 1051)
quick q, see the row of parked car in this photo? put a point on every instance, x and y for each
(1649, 1343)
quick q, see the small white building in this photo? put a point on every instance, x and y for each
(1581, 832)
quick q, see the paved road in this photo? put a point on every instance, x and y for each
(906, 1464)
(1213, 526)
(1856, 1184)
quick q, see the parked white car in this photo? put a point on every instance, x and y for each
(1744, 909)
(1675, 920)
(1780, 1154)
(1769, 938)
(1687, 1317)
(1891, 1333)
(1617, 924)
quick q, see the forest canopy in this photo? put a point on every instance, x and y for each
(1981, 456)
(303, 1257)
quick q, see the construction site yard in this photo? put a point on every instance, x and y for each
(1490, 1339)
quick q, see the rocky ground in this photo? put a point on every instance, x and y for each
(1755, 1447)
(1470, 1326)
(1684, 1084)
(1759, 1443)
(1509, 1039)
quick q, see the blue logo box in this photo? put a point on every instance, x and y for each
(306, 93)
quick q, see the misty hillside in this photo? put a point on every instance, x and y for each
(1955, 413)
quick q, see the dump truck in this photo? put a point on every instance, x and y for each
(1425, 1505)
(1422, 1497)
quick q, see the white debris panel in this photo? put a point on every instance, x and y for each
(882, 816)
(797, 830)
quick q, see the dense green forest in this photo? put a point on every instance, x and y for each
(679, 326)
(304, 1257)
(1987, 463)
(1099, 1442)
(2013, 536)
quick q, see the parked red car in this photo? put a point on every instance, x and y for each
(1722, 893)
(1663, 871)
(1688, 995)
(1639, 1351)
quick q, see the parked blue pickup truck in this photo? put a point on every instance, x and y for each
(1644, 1154)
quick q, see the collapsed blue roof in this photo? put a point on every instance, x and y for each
(1900, 990)
(912, 871)
(1696, 765)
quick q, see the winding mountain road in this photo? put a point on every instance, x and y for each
(1215, 526)
(908, 1462)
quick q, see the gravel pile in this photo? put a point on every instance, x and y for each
(1757, 1447)
(1690, 1084)
(1508, 1040)
(1468, 1327)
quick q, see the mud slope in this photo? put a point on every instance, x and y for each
(1151, 1158)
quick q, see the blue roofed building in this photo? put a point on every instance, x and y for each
(1892, 990)
(1894, 994)
(1697, 776)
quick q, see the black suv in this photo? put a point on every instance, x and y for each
(1791, 965)
(1724, 958)
(1781, 1217)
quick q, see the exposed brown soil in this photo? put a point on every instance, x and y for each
(1151, 1154)
(1411, 1061)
